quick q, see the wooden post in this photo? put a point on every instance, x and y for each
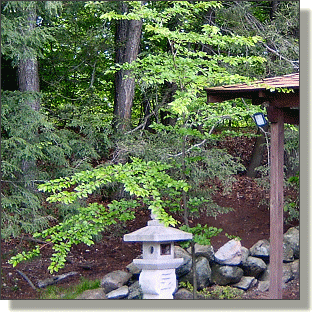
(276, 206)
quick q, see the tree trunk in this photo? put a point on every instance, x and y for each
(28, 81)
(128, 36)
(257, 156)
(274, 6)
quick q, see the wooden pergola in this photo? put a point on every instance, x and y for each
(282, 106)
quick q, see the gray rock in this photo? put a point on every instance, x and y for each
(223, 275)
(229, 254)
(183, 294)
(263, 286)
(265, 275)
(115, 280)
(287, 273)
(254, 267)
(261, 250)
(203, 251)
(96, 294)
(287, 252)
(135, 292)
(133, 269)
(292, 237)
(203, 274)
(120, 293)
(295, 268)
(186, 266)
(245, 283)
(244, 254)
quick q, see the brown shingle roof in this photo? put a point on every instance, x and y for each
(259, 91)
(290, 81)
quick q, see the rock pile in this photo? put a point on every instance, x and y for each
(232, 265)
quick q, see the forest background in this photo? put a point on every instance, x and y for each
(104, 100)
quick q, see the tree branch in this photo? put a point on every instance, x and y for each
(204, 140)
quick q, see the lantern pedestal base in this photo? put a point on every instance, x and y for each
(158, 284)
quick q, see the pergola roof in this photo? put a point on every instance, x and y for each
(286, 81)
(266, 90)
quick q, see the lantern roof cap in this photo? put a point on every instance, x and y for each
(157, 232)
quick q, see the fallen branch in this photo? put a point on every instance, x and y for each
(27, 279)
(56, 279)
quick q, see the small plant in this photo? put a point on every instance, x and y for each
(216, 292)
(201, 234)
(229, 236)
(222, 293)
(186, 285)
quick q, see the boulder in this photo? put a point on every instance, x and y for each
(245, 283)
(133, 269)
(119, 293)
(287, 252)
(263, 286)
(203, 274)
(295, 268)
(183, 294)
(135, 292)
(261, 250)
(265, 275)
(95, 294)
(287, 275)
(229, 254)
(244, 254)
(186, 266)
(115, 280)
(254, 267)
(292, 237)
(223, 275)
(203, 251)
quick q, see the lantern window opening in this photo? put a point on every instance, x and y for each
(165, 249)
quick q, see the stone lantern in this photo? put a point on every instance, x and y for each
(158, 277)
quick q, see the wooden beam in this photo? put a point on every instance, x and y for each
(276, 206)
(291, 116)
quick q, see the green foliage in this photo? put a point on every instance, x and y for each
(222, 293)
(144, 180)
(186, 285)
(183, 50)
(231, 237)
(201, 234)
(18, 40)
(280, 44)
(215, 293)
(291, 173)
(31, 152)
(79, 228)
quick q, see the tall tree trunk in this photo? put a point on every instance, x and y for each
(274, 7)
(128, 36)
(28, 81)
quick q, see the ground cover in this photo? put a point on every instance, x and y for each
(248, 221)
